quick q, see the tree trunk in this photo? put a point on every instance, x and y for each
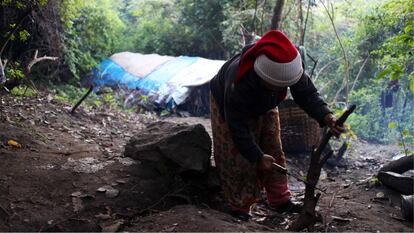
(277, 15)
(301, 28)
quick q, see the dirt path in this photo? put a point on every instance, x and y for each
(54, 181)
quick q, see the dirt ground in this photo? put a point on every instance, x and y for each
(68, 173)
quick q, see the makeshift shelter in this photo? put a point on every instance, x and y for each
(159, 82)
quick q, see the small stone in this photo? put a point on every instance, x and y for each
(76, 194)
(380, 195)
(111, 193)
(121, 181)
(104, 188)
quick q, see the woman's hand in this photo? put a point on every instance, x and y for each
(266, 162)
(330, 121)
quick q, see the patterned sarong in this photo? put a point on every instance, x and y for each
(241, 181)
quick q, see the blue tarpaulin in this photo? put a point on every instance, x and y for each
(165, 81)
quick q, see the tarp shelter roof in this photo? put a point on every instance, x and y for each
(164, 80)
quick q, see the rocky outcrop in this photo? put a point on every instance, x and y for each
(171, 147)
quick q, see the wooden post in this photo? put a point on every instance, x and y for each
(308, 216)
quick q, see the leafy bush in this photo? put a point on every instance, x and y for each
(93, 31)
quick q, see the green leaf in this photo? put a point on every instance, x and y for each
(392, 125)
(24, 35)
(408, 28)
(411, 78)
(395, 75)
(383, 73)
(406, 133)
(165, 113)
(23, 91)
(396, 67)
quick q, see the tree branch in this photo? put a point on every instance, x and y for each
(359, 73)
(306, 20)
(2, 73)
(324, 86)
(324, 67)
(345, 82)
(36, 60)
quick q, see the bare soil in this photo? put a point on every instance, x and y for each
(68, 173)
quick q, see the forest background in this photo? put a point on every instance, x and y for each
(359, 51)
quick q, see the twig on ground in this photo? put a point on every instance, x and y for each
(174, 192)
(328, 212)
(5, 211)
(46, 228)
(332, 199)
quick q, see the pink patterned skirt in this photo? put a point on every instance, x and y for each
(241, 181)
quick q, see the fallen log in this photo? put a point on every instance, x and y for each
(400, 165)
(308, 216)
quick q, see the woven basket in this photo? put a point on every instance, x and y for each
(299, 131)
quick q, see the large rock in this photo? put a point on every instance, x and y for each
(166, 146)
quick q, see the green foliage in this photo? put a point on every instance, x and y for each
(202, 20)
(92, 32)
(389, 31)
(13, 28)
(154, 28)
(382, 30)
(14, 71)
(174, 27)
(392, 125)
(368, 119)
(71, 94)
(411, 80)
(395, 21)
(23, 4)
(23, 91)
(24, 35)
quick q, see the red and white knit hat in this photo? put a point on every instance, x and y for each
(274, 58)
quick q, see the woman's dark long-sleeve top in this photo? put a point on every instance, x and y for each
(247, 99)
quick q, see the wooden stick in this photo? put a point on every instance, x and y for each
(2, 73)
(308, 216)
(81, 100)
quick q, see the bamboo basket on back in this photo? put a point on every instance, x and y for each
(299, 131)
